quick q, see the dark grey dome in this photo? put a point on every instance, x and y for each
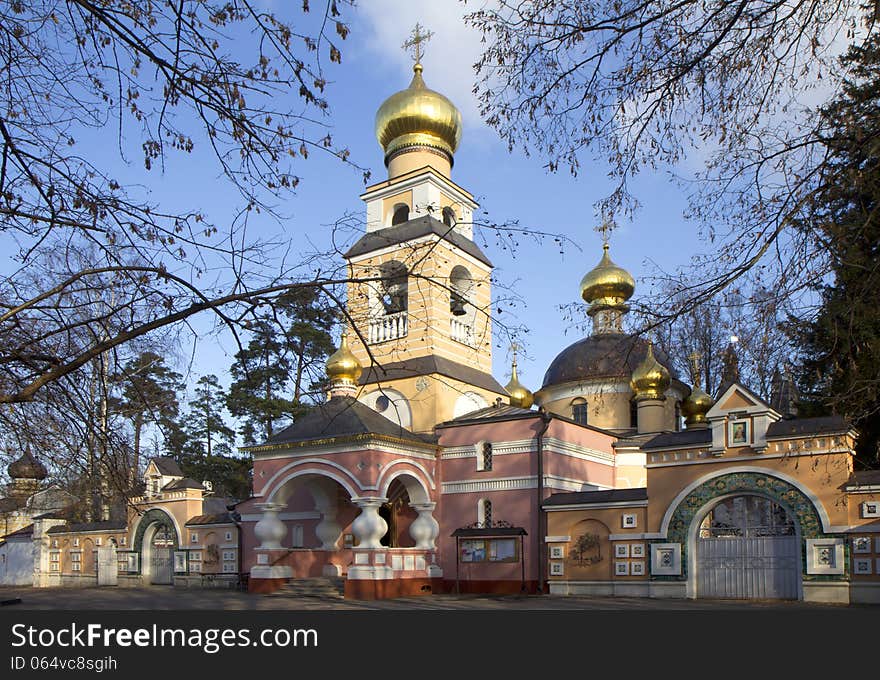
(27, 467)
(605, 355)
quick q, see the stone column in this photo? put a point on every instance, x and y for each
(424, 528)
(328, 530)
(270, 529)
(368, 527)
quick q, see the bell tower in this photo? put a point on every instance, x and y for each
(420, 292)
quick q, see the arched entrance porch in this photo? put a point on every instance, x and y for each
(343, 526)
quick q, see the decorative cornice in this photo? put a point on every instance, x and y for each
(596, 506)
(256, 517)
(351, 444)
(426, 174)
(737, 459)
(514, 483)
(498, 449)
(551, 445)
(427, 238)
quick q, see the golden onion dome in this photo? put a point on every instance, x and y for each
(418, 117)
(607, 285)
(520, 396)
(343, 366)
(696, 406)
(650, 379)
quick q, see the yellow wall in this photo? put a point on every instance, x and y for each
(600, 522)
(433, 404)
(824, 475)
(608, 410)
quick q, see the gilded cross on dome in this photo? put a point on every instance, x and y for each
(605, 229)
(415, 42)
(514, 347)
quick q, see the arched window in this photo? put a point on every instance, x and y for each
(633, 414)
(394, 291)
(468, 402)
(400, 214)
(579, 411)
(391, 404)
(448, 216)
(461, 284)
(677, 416)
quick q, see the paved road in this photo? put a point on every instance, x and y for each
(166, 597)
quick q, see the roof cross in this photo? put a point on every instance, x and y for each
(415, 42)
(514, 347)
(606, 229)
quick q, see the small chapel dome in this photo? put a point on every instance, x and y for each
(343, 366)
(695, 407)
(27, 467)
(418, 117)
(520, 395)
(607, 285)
(651, 379)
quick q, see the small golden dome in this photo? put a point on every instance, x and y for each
(696, 406)
(343, 366)
(651, 379)
(520, 396)
(607, 285)
(418, 117)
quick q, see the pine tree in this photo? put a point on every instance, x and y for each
(260, 379)
(841, 371)
(208, 433)
(272, 377)
(149, 396)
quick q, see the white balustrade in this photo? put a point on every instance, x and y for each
(462, 332)
(387, 327)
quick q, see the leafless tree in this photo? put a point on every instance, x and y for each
(648, 85)
(227, 81)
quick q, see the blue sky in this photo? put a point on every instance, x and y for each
(509, 186)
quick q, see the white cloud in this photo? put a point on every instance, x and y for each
(449, 55)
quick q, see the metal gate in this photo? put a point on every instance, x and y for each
(747, 548)
(161, 566)
(748, 568)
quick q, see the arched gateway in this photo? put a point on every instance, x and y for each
(747, 547)
(743, 534)
(156, 539)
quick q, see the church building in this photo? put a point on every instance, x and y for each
(422, 474)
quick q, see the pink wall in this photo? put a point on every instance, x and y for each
(520, 507)
(364, 472)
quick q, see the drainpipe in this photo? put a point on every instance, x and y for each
(235, 516)
(545, 419)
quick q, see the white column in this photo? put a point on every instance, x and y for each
(368, 527)
(270, 529)
(424, 528)
(328, 530)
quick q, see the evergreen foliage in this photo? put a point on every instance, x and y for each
(841, 370)
(273, 376)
